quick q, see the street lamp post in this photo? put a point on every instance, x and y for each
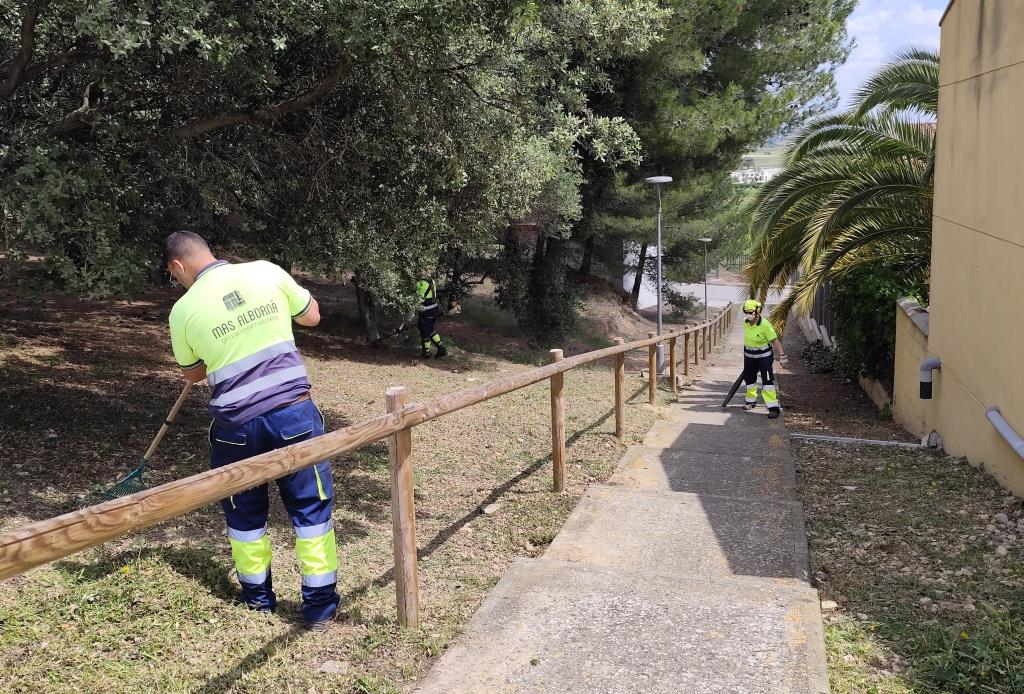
(657, 182)
(705, 241)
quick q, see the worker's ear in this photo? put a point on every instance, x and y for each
(177, 270)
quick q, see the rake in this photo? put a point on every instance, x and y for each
(135, 481)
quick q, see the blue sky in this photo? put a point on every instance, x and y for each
(882, 28)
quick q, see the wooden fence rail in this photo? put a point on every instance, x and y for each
(47, 540)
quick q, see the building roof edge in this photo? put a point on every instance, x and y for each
(948, 8)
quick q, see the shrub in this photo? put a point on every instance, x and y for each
(537, 290)
(680, 304)
(819, 358)
(864, 302)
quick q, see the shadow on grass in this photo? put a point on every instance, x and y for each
(193, 563)
(494, 495)
(251, 662)
(259, 657)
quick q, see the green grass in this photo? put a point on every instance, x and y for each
(484, 313)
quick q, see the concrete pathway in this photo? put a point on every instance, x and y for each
(687, 572)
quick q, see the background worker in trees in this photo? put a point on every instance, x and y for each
(426, 292)
(760, 342)
(233, 327)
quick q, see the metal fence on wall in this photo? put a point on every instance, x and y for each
(822, 312)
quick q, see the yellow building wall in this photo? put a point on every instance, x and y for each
(908, 409)
(977, 274)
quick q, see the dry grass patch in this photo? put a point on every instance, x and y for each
(924, 556)
(84, 387)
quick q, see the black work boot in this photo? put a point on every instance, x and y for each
(441, 351)
(773, 412)
(425, 353)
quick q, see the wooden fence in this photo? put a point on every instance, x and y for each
(45, 541)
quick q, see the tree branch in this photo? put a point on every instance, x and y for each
(73, 56)
(270, 114)
(81, 117)
(28, 45)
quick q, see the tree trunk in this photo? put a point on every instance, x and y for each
(641, 262)
(588, 256)
(367, 314)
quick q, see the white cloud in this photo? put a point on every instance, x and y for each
(882, 28)
(915, 13)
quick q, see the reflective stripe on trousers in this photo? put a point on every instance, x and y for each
(317, 551)
(250, 550)
(307, 495)
(752, 368)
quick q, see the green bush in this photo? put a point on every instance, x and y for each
(819, 358)
(512, 276)
(680, 304)
(864, 302)
(537, 290)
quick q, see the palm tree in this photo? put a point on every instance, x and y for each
(856, 189)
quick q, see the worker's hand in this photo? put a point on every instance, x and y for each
(783, 359)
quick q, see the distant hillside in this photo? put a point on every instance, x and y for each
(769, 156)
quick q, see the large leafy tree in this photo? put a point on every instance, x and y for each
(353, 136)
(728, 75)
(856, 190)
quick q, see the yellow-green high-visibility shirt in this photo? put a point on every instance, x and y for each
(237, 320)
(758, 338)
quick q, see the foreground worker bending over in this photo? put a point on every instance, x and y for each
(233, 327)
(759, 341)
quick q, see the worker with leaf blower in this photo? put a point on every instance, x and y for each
(760, 342)
(427, 309)
(233, 327)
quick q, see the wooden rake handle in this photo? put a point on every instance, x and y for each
(167, 422)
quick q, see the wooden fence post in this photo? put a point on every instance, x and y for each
(696, 345)
(704, 343)
(686, 353)
(558, 424)
(672, 359)
(403, 516)
(620, 392)
(652, 369)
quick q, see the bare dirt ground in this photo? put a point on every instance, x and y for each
(821, 404)
(84, 385)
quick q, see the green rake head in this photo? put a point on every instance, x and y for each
(130, 484)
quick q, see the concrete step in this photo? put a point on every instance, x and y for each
(685, 534)
(716, 430)
(552, 627)
(766, 476)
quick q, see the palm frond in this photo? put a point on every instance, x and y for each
(856, 189)
(909, 82)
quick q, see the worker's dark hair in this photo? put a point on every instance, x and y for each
(182, 244)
